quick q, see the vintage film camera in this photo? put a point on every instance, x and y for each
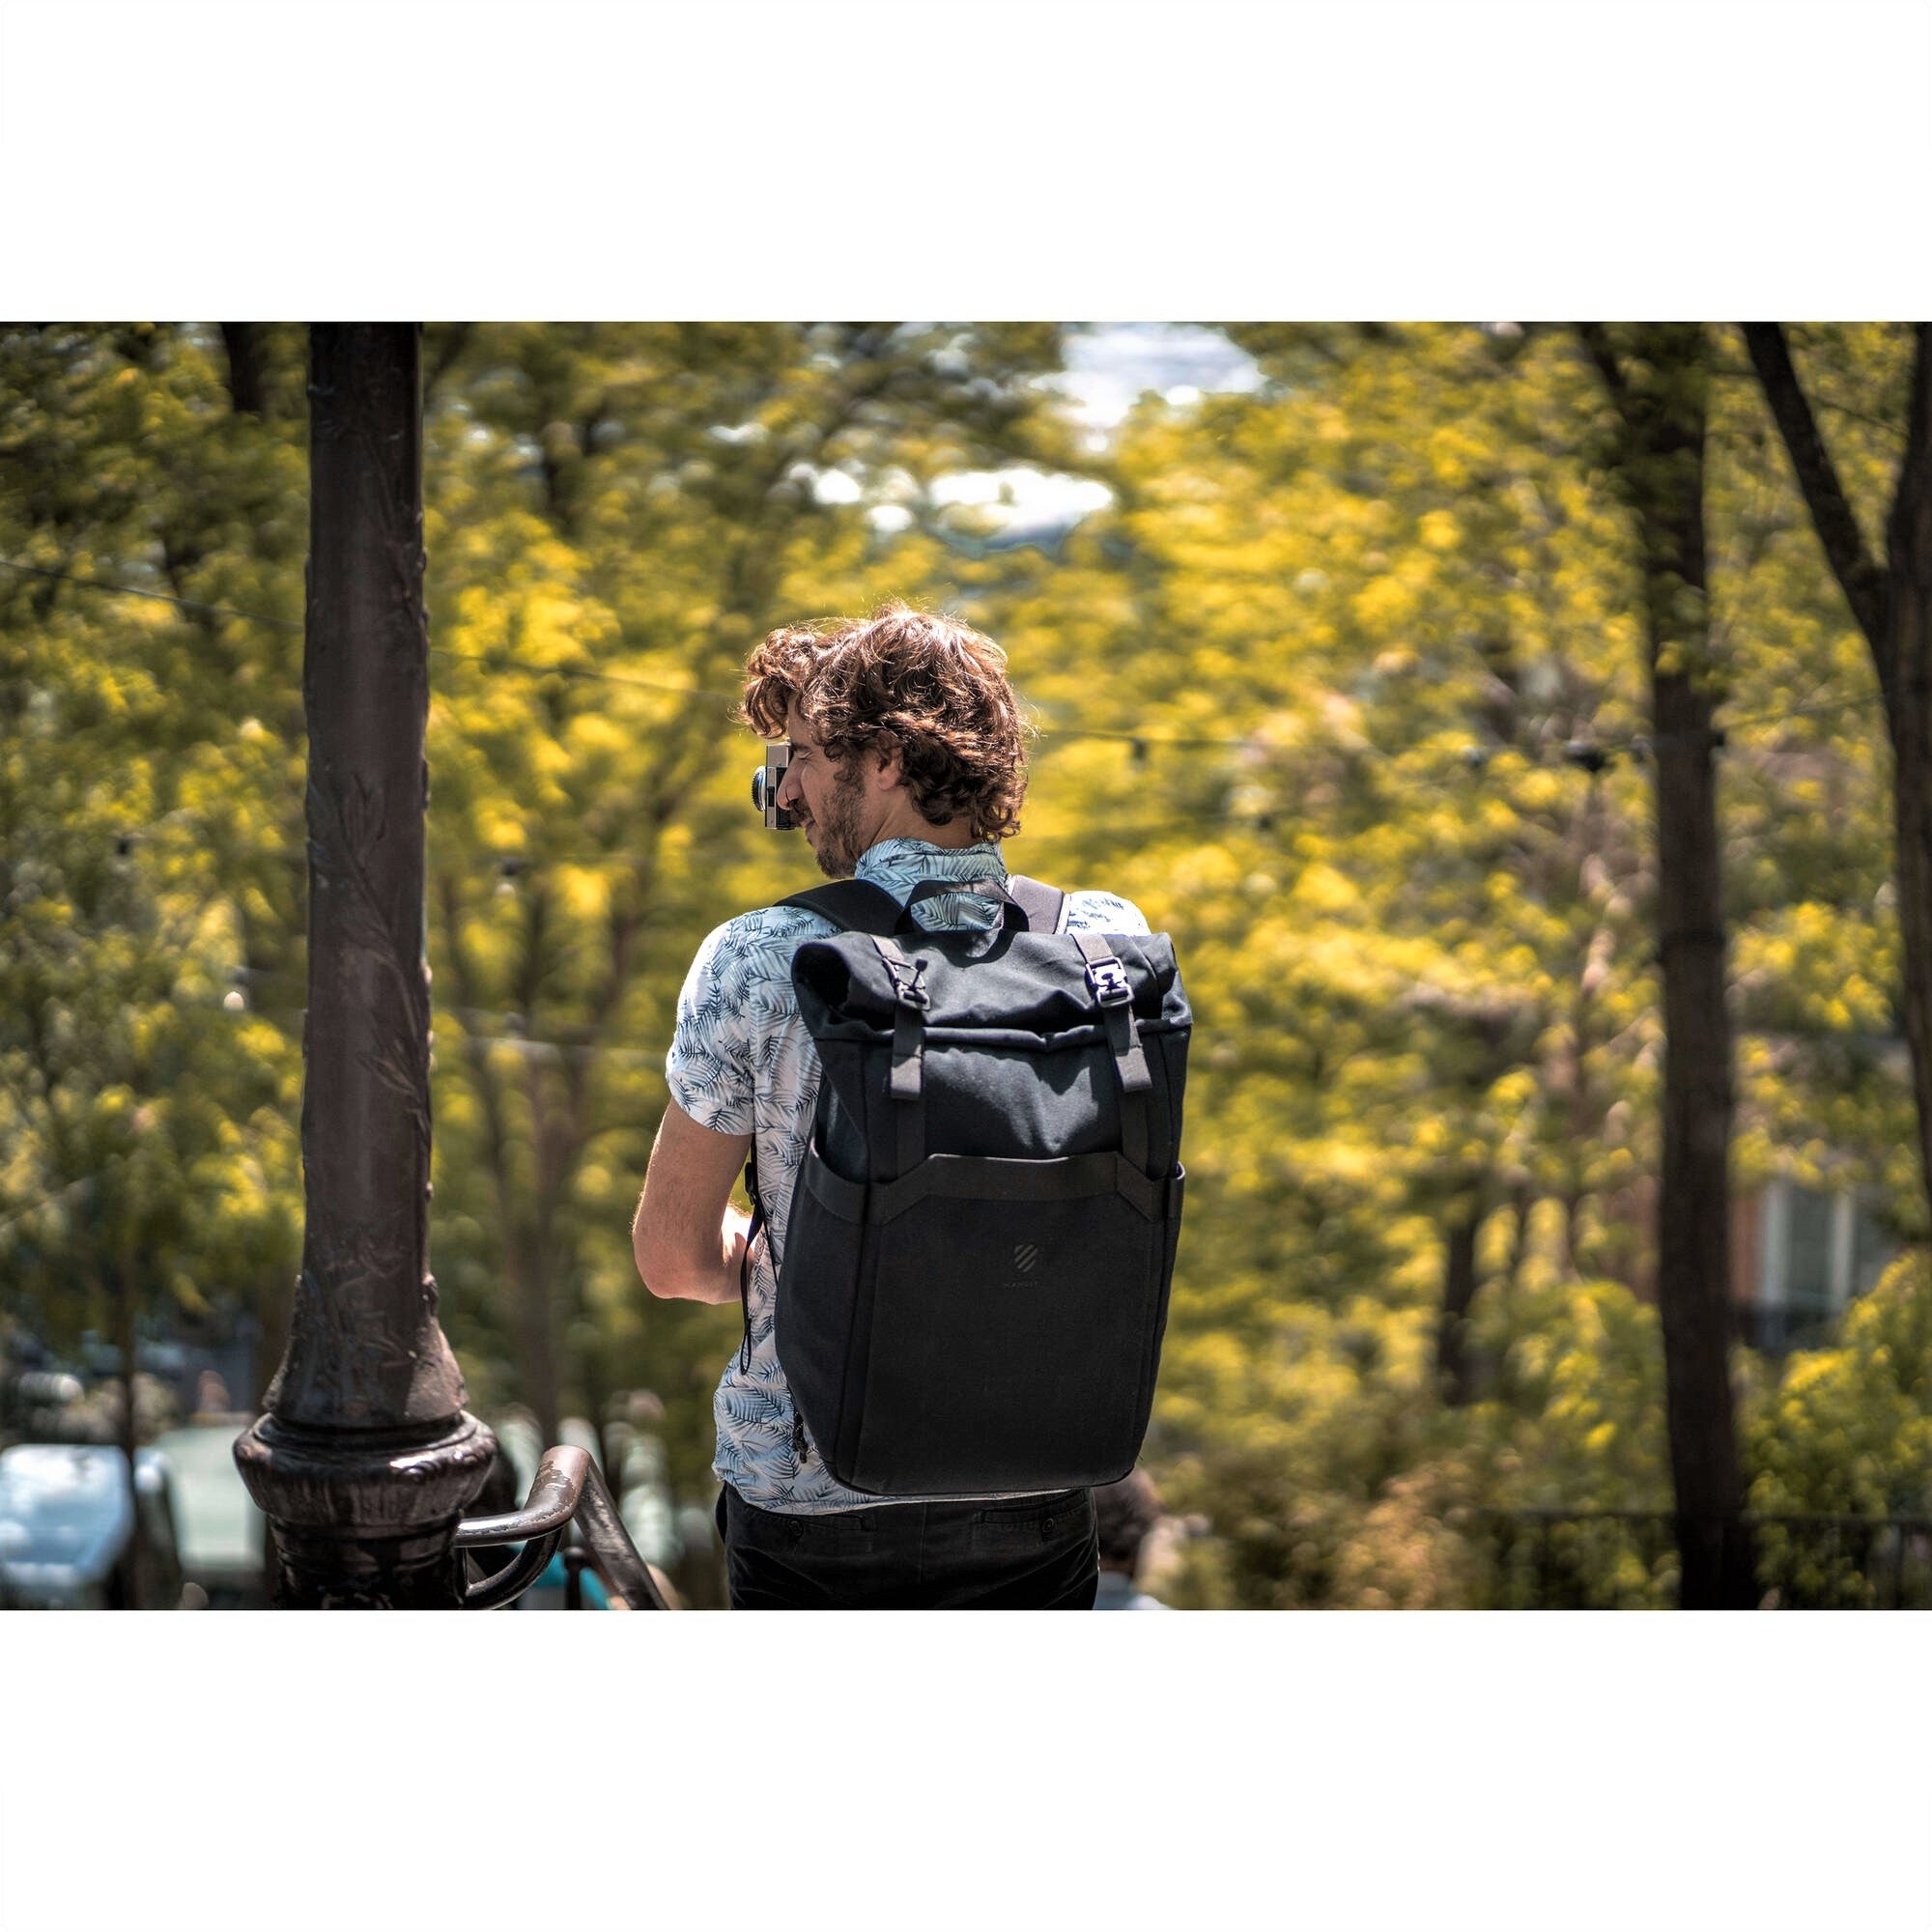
(765, 783)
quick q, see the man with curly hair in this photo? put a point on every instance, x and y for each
(908, 765)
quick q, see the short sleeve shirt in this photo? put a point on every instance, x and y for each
(741, 1062)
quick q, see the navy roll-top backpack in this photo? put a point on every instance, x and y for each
(976, 1269)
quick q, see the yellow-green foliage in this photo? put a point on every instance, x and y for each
(1847, 1430)
(1303, 691)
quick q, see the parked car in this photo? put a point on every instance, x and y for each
(71, 1537)
(222, 1534)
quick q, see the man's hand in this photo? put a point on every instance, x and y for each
(687, 1238)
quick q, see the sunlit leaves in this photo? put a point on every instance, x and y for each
(1334, 641)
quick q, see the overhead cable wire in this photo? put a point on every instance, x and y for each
(518, 669)
(284, 1018)
(1635, 742)
(510, 665)
(153, 596)
(60, 1194)
(1589, 755)
(580, 671)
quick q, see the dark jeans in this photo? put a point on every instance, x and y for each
(1040, 1553)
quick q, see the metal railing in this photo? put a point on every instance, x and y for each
(1626, 1559)
(568, 1489)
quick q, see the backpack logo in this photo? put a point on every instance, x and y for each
(1025, 1257)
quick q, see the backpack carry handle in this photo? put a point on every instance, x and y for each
(981, 889)
(1027, 904)
(855, 905)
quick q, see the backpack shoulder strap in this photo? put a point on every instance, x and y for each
(853, 905)
(1042, 903)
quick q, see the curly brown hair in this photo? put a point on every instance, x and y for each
(929, 688)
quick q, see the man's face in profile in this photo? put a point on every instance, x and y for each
(829, 800)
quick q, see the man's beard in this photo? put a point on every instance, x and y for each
(838, 831)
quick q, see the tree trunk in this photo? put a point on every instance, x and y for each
(1454, 1362)
(1893, 608)
(245, 388)
(535, 1325)
(271, 1339)
(1571, 1197)
(1660, 400)
(1907, 609)
(1909, 720)
(1523, 1206)
(522, 1250)
(123, 1288)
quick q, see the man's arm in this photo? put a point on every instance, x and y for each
(687, 1238)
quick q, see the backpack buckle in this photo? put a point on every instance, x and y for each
(1108, 979)
(910, 991)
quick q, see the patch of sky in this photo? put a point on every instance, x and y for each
(835, 486)
(1023, 504)
(1109, 367)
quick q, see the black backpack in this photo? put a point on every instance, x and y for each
(981, 1238)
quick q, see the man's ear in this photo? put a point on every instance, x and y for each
(890, 763)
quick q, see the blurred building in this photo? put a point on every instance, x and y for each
(1799, 1257)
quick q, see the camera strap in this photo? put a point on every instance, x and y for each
(745, 1261)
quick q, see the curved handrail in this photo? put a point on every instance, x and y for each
(569, 1488)
(507, 1584)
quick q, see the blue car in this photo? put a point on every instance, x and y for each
(71, 1536)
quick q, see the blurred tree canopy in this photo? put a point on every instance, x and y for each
(150, 789)
(1344, 686)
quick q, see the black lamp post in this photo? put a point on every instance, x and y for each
(367, 1456)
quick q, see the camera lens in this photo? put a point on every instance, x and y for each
(766, 783)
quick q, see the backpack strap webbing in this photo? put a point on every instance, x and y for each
(906, 1083)
(1042, 903)
(1114, 996)
(853, 905)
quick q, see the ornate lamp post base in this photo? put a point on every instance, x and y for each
(363, 1518)
(366, 1457)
